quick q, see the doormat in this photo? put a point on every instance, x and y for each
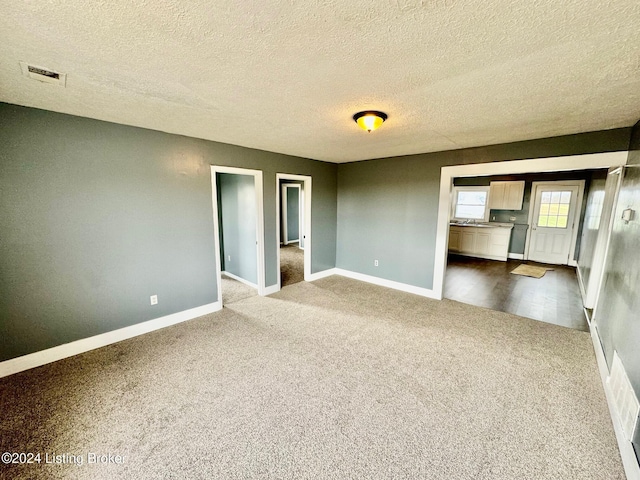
(530, 271)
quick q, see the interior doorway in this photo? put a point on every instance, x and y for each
(293, 217)
(292, 213)
(554, 297)
(238, 219)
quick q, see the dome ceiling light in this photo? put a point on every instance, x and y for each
(369, 119)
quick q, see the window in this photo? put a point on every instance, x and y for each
(554, 209)
(471, 203)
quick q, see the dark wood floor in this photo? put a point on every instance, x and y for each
(554, 298)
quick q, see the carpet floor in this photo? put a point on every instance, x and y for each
(235, 291)
(333, 379)
(291, 264)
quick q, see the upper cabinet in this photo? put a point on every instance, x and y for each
(506, 195)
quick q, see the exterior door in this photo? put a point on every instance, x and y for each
(553, 222)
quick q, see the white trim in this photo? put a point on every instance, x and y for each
(576, 216)
(499, 258)
(423, 292)
(257, 178)
(591, 293)
(629, 460)
(516, 256)
(306, 179)
(322, 274)
(270, 290)
(581, 284)
(552, 164)
(240, 279)
(32, 360)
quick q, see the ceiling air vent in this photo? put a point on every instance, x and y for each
(43, 74)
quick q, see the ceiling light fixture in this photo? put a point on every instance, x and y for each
(369, 119)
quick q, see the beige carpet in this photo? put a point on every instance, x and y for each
(235, 291)
(291, 264)
(530, 271)
(333, 379)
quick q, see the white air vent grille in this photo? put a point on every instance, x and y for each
(43, 74)
(625, 400)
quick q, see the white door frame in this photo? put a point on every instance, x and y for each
(284, 224)
(576, 217)
(306, 179)
(591, 295)
(538, 165)
(257, 178)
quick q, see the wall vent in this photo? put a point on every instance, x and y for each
(43, 74)
(624, 398)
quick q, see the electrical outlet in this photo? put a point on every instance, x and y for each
(512, 219)
(228, 258)
(154, 299)
(375, 263)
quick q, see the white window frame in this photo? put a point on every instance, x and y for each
(463, 188)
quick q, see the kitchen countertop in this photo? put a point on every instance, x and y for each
(482, 224)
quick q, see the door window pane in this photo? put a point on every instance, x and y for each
(554, 209)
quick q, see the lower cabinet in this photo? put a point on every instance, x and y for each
(483, 242)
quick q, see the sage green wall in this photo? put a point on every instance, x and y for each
(238, 213)
(387, 208)
(617, 313)
(293, 212)
(96, 217)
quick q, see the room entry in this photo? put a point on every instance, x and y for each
(292, 217)
(554, 216)
(238, 231)
(293, 208)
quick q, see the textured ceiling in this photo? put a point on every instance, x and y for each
(287, 76)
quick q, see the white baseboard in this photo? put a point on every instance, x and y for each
(271, 290)
(629, 460)
(516, 256)
(319, 275)
(476, 255)
(240, 279)
(32, 360)
(423, 292)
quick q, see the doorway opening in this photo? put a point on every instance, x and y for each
(293, 207)
(238, 219)
(491, 279)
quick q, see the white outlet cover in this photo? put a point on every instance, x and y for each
(153, 299)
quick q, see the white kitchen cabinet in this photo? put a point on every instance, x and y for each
(454, 240)
(499, 244)
(467, 239)
(485, 242)
(506, 195)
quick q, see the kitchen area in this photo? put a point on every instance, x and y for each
(502, 222)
